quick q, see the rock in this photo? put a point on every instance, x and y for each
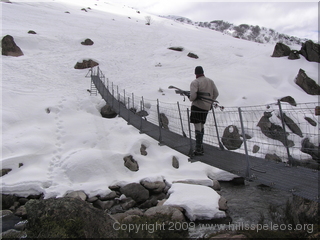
(311, 121)
(175, 162)
(223, 204)
(317, 111)
(87, 42)
(143, 150)
(273, 157)
(172, 213)
(108, 112)
(67, 218)
(109, 196)
(4, 213)
(310, 51)
(307, 84)
(86, 64)
(164, 121)
(155, 187)
(311, 149)
(128, 203)
(231, 138)
(152, 201)
(12, 233)
(294, 54)
(291, 125)
(21, 212)
(179, 49)
(130, 163)
(92, 199)
(273, 131)
(255, 149)
(289, 100)
(104, 205)
(5, 171)
(8, 201)
(142, 113)
(192, 55)
(21, 226)
(135, 191)
(9, 47)
(216, 185)
(281, 50)
(77, 194)
(32, 32)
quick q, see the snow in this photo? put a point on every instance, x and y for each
(53, 127)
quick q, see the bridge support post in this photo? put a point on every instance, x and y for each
(216, 126)
(284, 132)
(160, 123)
(189, 127)
(248, 172)
(183, 133)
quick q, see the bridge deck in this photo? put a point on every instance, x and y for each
(298, 180)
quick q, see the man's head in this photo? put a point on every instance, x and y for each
(198, 71)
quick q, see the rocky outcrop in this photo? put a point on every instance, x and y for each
(9, 47)
(231, 138)
(311, 51)
(273, 131)
(281, 50)
(67, 218)
(294, 54)
(307, 84)
(86, 64)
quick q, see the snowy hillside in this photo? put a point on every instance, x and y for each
(244, 31)
(53, 136)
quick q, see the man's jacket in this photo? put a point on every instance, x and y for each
(205, 87)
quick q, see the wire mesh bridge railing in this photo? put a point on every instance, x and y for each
(258, 142)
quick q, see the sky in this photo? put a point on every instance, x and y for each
(298, 19)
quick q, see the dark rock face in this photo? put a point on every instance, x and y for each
(310, 51)
(294, 54)
(9, 47)
(67, 218)
(281, 50)
(307, 84)
(231, 138)
(86, 64)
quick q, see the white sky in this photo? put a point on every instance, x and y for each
(293, 18)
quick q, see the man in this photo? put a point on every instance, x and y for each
(203, 92)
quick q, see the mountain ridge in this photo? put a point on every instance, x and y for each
(243, 31)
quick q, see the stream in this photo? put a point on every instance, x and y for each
(248, 205)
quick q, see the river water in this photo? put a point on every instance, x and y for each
(248, 206)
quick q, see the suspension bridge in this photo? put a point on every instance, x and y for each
(299, 180)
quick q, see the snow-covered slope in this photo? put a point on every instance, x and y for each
(53, 127)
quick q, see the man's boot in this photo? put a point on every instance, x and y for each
(199, 149)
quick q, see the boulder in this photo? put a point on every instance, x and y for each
(164, 121)
(292, 125)
(109, 196)
(307, 84)
(255, 149)
(87, 42)
(294, 54)
(86, 64)
(143, 149)
(273, 131)
(32, 32)
(231, 138)
(9, 47)
(108, 112)
(311, 149)
(135, 191)
(310, 51)
(175, 162)
(155, 187)
(223, 204)
(179, 49)
(104, 205)
(289, 100)
(67, 218)
(5, 171)
(311, 121)
(130, 163)
(273, 157)
(77, 194)
(173, 213)
(192, 55)
(281, 50)
(21, 212)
